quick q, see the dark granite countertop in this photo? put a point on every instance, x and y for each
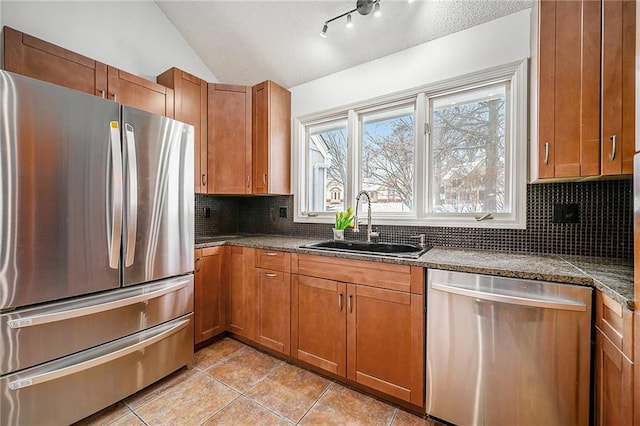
(613, 277)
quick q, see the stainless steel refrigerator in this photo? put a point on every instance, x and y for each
(96, 254)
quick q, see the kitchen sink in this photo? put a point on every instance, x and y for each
(376, 249)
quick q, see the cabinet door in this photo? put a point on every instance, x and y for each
(190, 105)
(44, 61)
(240, 298)
(274, 309)
(385, 343)
(618, 86)
(271, 139)
(318, 323)
(209, 296)
(129, 89)
(613, 384)
(568, 89)
(229, 139)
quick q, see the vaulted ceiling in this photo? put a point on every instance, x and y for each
(245, 42)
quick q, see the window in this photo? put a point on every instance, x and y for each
(447, 154)
(326, 165)
(467, 150)
(387, 158)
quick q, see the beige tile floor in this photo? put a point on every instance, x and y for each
(234, 384)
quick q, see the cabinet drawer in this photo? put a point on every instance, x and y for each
(616, 322)
(375, 274)
(274, 260)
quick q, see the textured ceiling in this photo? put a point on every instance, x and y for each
(245, 42)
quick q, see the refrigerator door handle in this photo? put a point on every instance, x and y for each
(114, 220)
(73, 369)
(132, 196)
(94, 309)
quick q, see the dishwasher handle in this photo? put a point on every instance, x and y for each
(564, 305)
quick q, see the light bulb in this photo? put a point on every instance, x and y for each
(376, 10)
(324, 30)
(349, 23)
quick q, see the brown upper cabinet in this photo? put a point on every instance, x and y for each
(44, 61)
(271, 139)
(190, 106)
(30, 56)
(618, 86)
(582, 88)
(249, 139)
(129, 89)
(229, 139)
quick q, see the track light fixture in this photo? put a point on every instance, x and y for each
(363, 7)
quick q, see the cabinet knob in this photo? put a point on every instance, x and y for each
(612, 156)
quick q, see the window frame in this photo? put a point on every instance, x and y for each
(516, 73)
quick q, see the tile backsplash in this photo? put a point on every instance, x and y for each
(605, 227)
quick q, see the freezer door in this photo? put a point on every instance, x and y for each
(159, 199)
(68, 389)
(35, 335)
(59, 218)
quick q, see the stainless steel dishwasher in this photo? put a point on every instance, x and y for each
(504, 351)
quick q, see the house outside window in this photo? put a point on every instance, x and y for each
(447, 154)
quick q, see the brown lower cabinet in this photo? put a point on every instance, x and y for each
(371, 335)
(239, 270)
(209, 306)
(613, 384)
(613, 363)
(273, 309)
(369, 332)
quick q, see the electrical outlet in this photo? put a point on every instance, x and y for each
(565, 213)
(283, 212)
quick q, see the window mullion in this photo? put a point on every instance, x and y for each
(420, 157)
(353, 163)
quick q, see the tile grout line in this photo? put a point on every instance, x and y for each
(331, 383)
(393, 418)
(223, 407)
(139, 418)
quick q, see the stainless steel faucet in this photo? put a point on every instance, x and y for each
(356, 228)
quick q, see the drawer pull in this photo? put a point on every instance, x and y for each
(270, 275)
(270, 254)
(340, 301)
(350, 304)
(94, 309)
(67, 371)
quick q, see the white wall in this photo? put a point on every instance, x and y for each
(133, 36)
(488, 45)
